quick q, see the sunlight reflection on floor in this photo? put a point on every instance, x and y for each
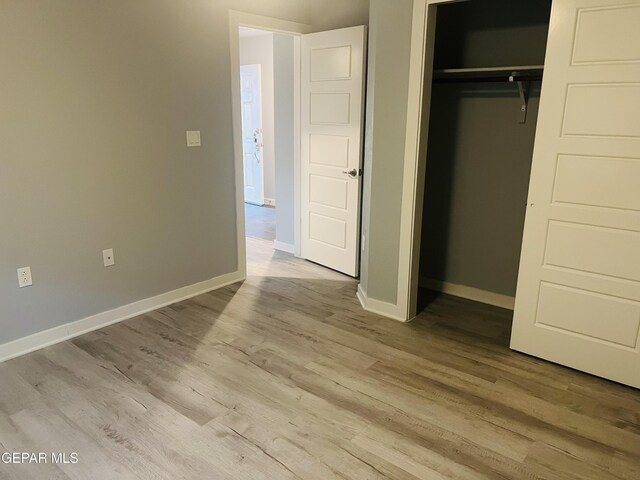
(264, 261)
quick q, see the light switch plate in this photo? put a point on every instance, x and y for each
(193, 138)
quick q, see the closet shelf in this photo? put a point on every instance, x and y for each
(523, 73)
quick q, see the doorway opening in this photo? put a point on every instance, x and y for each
(483, 112)
(298, 118)
(252, 140)
(267, 78)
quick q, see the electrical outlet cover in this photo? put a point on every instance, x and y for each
(108, 258)
(24, 277)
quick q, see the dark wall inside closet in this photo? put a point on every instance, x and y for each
(479, 155)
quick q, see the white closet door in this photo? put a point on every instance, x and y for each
(578, 297)
(332, 86)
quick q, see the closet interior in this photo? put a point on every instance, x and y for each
(487, 71)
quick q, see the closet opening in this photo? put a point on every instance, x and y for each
(487, 71)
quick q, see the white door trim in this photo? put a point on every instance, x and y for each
(241, 19)
(418, 101)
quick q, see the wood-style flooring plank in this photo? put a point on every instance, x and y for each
(284, 376)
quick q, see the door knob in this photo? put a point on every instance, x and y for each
(353, 173)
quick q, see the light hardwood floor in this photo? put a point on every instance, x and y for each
(260, 222)
(285, 377)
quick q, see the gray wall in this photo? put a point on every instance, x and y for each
(386, 115)
(479, 159)
(284, 140)
(479, 156)
(97, 96)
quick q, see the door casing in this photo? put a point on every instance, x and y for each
(417, 127)
(241, 19)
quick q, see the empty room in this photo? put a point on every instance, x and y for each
(320, 239)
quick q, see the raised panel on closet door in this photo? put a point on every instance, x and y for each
(578, 296)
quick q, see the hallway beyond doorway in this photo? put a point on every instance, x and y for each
(260, 221)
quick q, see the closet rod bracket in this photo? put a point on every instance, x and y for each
(523, 90)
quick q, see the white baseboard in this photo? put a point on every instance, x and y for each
(470, 293)
(64, 332)
(385, 309)
(284, 247)
(271, 202)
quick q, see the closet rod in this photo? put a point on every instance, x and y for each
(521, 73)
(505, 79)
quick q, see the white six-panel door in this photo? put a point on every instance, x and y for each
(332, 84)
(578, 297)
(251, 100)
